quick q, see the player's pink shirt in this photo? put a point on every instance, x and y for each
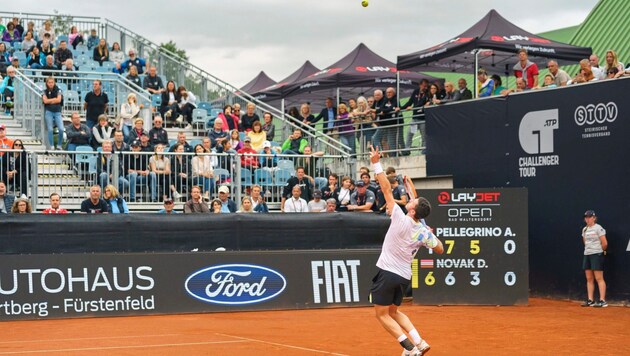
(403, 239)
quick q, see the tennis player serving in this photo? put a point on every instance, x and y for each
(404, 237)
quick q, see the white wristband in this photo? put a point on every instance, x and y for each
(377, 167)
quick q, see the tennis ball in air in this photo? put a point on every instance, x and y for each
(365, 3)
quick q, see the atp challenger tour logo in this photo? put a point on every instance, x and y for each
(535, 134)
(235, 284)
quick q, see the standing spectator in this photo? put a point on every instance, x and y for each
(105, 167)
(157, 134)
(328, 114)
(101, 132)
(129, 111)
(6, 200)
(101, 52)
(161, 166)
(249, 118)
(462, 86)
(138, 172)
(202, 172)
(317, 204)
(14, 168)
(295, 204)
(47, 30)
(595, 245)
(95, 104)
(75, 38)
(560, 77)
(117, 205)
(153, 83)
(487, 84)
(227, 205)
(387, 115)
(305, 115)
(268, 126)
(116, 55)
(21, 206)
(343, 123)
(92, 40)
(78, 134)
(362, 118)
(55, 202)
(187, 103)
(62, 54)
(52, 99)
(169, 206)
(525, 69)
(180, 171)
(196, 204)
(95, 204)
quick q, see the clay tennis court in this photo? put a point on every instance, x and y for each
(545, 327)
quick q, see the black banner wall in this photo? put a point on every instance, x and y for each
(569, 147)
(104, 285)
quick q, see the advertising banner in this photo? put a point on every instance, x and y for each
(105, 285)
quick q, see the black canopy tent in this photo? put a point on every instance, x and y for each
(259, 82)
(491, 43)
(273, 94)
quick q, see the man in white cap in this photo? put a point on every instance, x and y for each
(227, 205)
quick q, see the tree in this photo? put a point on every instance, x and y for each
(61, 23)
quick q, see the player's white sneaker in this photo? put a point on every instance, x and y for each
(414, 352)
(423, 347)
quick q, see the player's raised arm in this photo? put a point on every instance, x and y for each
(375, 157)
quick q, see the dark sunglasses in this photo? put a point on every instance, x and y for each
(168, 203)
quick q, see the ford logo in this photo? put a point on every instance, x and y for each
(235, 284)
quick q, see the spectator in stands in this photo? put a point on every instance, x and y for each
(55, 202)
(47, 30)
(215, 206)
(101, 52)
(180, 171)
(187, 103)
(246, 205)
(391, 172)
(15, 62)
(548, 82)
(525, 69)
(268, 126)
(7, 88)
(157, 134)
(18, 26)
(362, 118)
(117, 205)
(344, 125)
(247, 153)
(560, 77)
(52, 98)
(207, 146)
(465, 93)
(230, 122)
(137, 131)
(295, 204)
(145, 145)
(196, 204)
(95, 104)
(129, 111)
(249, 118)
(49, 65)
(11, 34)
(181, 139)
(133, 77)
(101, 132)
(92, 40)
(169, 206)
(61, 54)
(487, 84)
(119, 144)
(170, 101)
(153, 84)
(227, 205)
(258, 201)
(612, 73)
(67, 72)
(328, 114)
(399, 192)
(5, 142)
(598, 72)
(331, 206)
(105, 167)
(2, 27)
(329, 190)
(305, 115)
(133, 60)
(14, 168)
(78, 134)
(21, 206)
(362, 199)
(257, 136)
(498, 84)
(433, 96)
(268, 159)
(95, 204)
(372, 186)
(612, 61)
(36, 59)
(202, 172)
(47, 48)
(117, 56)
(217, 135)
(236, 111)
(387, 115)
(75, 38)
(30, 27)
(4, 57)
(343, 193)
(302, 181)
(317, 204)
(235, 140)
(138, 172)
(294, 145)
(6, 199)
(161, 166)
(28, 43)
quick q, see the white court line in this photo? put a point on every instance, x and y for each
(120, 347)
(85, 338)
(282, 345)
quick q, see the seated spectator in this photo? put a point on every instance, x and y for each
(216, 206)
(295, 204)
(548, 81)
(202, 172)
(187, 103)
(181, 139)
(36, 59)
(49, 65)
(139, 63)
(6, 199)
(235, 140)
(560, 77)
(4, 57)
(258, 201)
(236, 111)
(329, 190)
(92, 40)
(75, 38)
(129, 111)
(11, 34)
(157, 134)
(612, 73)
(28, 43)
(487, 84)
(295, 144)
(101, 132)
(268, 159)
(101, 52)
(55, 202)
(399, 192)
(249, 118)
(246, 205)
(498, 84)
(520, 87)
(21, 206)
(170, 101)
(169, 206)
(331, 206)
(137, 131)
(133, 77)
(78, 134)
(153, 83)
(227, 205)
(145, 144)
(302, 181)
(317, 204)
(30, 27)
(362, 199)
(46, 46)
(95, 204)
(138, 172)
(117, 56)
(257, 135)
(207, 146)
(230, 122)
(119, 144)
(248, 158)
(217, 135)
(47, 30)
(196, 204)
(343, 193)
(7, 88)
(5, 142)
(180, 171)
(612, 61)
(161, 167)
(14, 169)
(117, 205)
(268, 127)
(18, 26)
(105, 167)
(598, 72)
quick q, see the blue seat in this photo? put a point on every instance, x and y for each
(263, 178)
(320, 183)
(246, 177)
(195, 142)
(286, 164)
(203, 105)
(72, 97)
(281, 177)
(156, 100)
(85, 161)
(222, 175)
(62, 38)
(199, 117)
(63, 87)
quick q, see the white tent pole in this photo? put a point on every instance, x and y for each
(398, 86)
(475, 91)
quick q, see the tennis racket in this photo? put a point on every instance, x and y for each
(410, 188)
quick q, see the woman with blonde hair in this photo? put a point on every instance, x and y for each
(116, 203)
(21, 206)
(362, 118)
(612, 61)
(101, 52)
(246, 205)
(128, 112)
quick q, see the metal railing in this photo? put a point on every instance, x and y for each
(28, 105)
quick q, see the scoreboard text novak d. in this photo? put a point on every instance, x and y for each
(485, 259)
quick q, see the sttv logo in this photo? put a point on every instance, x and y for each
(482, 197)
